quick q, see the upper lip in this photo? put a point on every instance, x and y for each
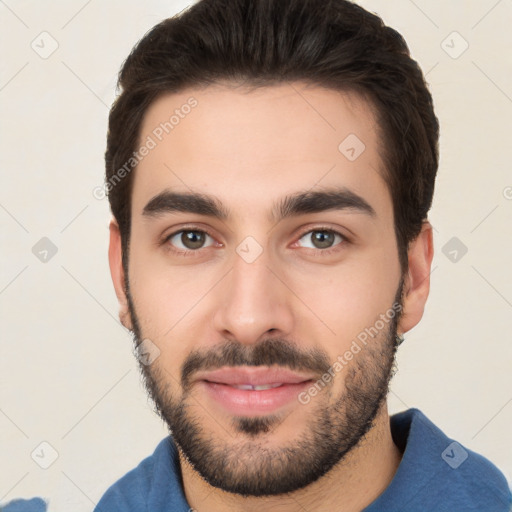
(254, 376)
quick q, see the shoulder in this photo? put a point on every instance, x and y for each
(22, 505)
(156, 480)
(438, 473)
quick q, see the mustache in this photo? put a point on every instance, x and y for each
(267, 353)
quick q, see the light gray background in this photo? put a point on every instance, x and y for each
(67, 374)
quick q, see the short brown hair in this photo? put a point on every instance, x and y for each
(334, 44)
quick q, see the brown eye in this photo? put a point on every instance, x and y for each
(320, 239)
(190, 239)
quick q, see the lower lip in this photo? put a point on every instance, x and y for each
(248, 402)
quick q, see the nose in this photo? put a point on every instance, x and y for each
(253, 302)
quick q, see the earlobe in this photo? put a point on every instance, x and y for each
(115, 258)
(417, 281)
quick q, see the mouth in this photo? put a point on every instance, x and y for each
(262, 387)
(254, 376)
(253, 391)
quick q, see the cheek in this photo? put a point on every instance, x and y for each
(164, 293)
(345, 299)
(169, 303)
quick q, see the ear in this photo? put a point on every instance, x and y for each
(115, 259)
(417, 280)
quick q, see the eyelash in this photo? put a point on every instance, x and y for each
(326, 252)
(193, 253)
(182, 252)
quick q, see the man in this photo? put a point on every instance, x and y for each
(270, 165)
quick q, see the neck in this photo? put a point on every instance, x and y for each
(350, 486)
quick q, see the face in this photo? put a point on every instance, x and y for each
(264, 275)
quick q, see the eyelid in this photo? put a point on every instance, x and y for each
(302, 233)
(322, 228)
(167, 238)
(344, 239)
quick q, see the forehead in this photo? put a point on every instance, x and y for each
(250, 147)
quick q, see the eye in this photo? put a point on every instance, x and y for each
(190, 240)
(321, 239)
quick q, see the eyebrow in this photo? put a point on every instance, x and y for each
(296, 204)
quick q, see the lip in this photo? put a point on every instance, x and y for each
(254, 376)
(218, 386)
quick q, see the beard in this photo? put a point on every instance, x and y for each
(246, 463)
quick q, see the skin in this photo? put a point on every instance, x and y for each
(250, 150)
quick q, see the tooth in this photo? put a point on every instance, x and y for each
(261, 387)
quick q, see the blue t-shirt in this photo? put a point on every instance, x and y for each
(435, 474)
(32, 505)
